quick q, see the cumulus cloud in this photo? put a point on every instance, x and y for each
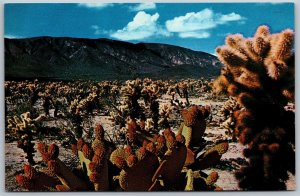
(198, 24)
(143, 6)
(229, 18)
(95, 5)
(142, 26)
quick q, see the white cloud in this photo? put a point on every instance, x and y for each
(230, 17)
(192, 21)
(95, 5)
(142, 26)
(143, 6)
(199, 35)
(198, 24)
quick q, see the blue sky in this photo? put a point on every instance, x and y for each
(198, 26)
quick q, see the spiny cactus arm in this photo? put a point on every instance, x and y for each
(18, 121)
(11, 123)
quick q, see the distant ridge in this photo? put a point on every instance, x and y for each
(64, 58)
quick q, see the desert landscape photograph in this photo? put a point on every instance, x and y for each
(149, 97)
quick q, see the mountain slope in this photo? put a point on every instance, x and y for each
(103, 59)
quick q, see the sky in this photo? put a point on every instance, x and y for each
(198, 26)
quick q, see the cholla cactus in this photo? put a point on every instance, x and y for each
(24, 127)
(150, 94)
(132, 128)
(92, 173)
(94, 157)
(165, 112)
(227, 115)
(259, 73)
(194, 124)
(184, 88)
(67, 178)
(47, 101)
(132, 91)
(88, 103)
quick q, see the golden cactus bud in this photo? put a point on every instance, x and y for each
(87, 152)
(131, 160)
(141, 153)
(212, 178)
(262, 31)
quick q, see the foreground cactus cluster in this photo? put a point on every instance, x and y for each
(160, 163)
(260, 73)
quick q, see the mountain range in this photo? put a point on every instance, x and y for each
(63, 58)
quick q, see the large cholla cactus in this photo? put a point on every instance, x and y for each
(24, 127)
(259, 73)
(150, 94)
(132, 93)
